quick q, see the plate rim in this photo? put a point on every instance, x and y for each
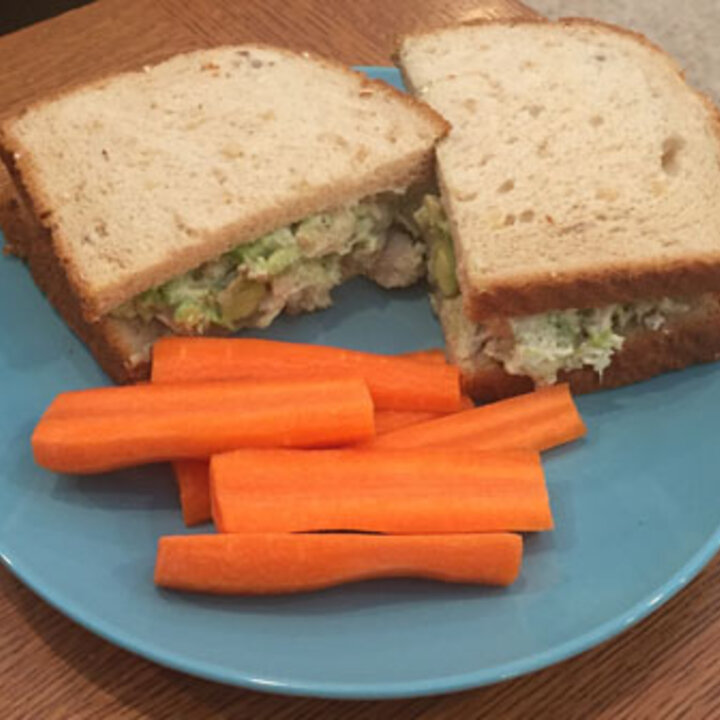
(652, 601)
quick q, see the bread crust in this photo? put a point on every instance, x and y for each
(535, 294)
(94, 304)
(13, 219)
(109, 340)
(685, 340)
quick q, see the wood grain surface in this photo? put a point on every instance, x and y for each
(667, 667)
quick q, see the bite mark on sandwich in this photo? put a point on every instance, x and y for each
(291, 269)
(213, 191)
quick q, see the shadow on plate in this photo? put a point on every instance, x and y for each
(663, 391)
(351, 598)
(150, 487)
(357, 320)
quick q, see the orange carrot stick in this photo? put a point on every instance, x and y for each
(193, 476)
(395, 383)
(136, 399)
(197, 420)
(536, 421)
(434, 356)
(273, 564)
(418, 492)
(193, 479)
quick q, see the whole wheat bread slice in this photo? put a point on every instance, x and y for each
(581, 169)
(145, 175)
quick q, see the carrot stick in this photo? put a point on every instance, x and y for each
(193, 479)
(395, 383)
(418, 492)
(98, 401)
(273, 564)
(154, 423)
(536, 421)
(135, 399)
(389, 420)
(193, 476)
(434, 356)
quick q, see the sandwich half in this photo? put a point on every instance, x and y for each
(577, 236)
(213, 191)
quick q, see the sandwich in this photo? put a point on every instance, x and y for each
(576, 237)
(212, 192)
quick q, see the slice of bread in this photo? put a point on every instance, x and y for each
(122, 348)
(686, 339)
(581, 169)
(145, 175)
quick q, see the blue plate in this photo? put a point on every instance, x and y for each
(636, 504)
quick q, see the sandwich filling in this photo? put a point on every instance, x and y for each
(293, 268)
(538, 346)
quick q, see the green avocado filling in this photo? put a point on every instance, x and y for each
(293, 269)
(550, 342)
(434, 226)
(538, 346)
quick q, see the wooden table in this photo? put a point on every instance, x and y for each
(667, 667)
